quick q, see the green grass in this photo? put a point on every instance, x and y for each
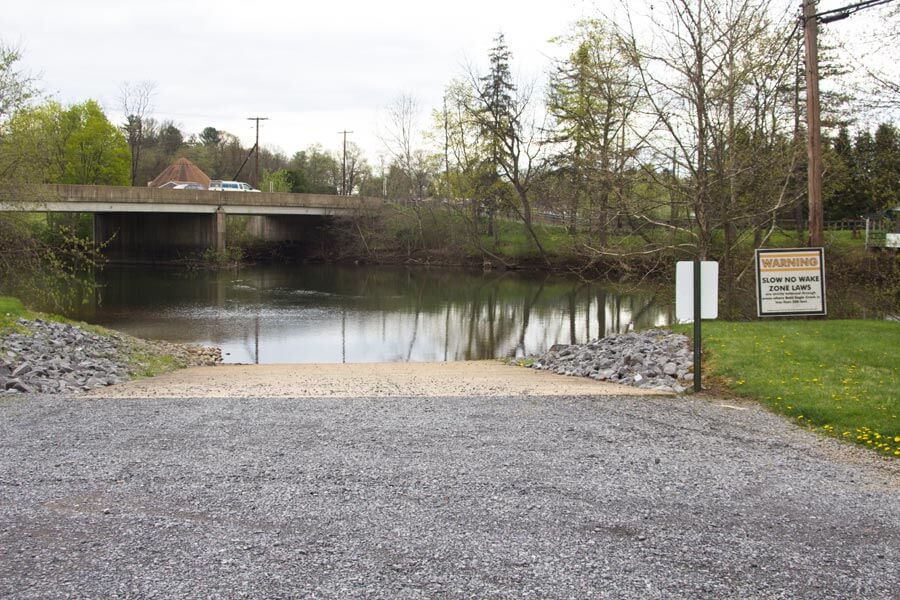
(148, 364)
(11, 309)
(839, 377)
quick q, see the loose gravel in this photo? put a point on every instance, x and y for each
(509, 497)
(654, 359)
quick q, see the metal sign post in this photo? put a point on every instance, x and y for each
(696, 298)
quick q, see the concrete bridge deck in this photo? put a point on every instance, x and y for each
(151, 224)
(115, 199)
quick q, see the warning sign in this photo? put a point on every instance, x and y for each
(790, 281)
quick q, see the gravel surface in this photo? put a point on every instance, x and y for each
(369, 380)
(503, 497)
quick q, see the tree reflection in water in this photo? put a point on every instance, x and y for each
(319, 313)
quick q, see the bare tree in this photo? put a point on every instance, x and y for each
(357, 168)
(402, 141)
(708, 84)
(881, 89)
(135, 100)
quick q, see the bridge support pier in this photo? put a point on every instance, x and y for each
(220, 230)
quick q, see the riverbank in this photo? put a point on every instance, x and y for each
(43, 354)
(836, 376)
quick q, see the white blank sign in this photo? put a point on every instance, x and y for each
(684, 290)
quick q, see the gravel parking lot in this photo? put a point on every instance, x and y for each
(437, 497)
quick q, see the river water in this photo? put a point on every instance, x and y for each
(332, 314)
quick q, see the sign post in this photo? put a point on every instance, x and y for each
(698, 301)
(696, 298)
(790, 281)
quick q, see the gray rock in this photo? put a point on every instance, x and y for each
(62, 358)
(656, 359)
(17, 385)
(23, 369)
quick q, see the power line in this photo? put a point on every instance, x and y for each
(836, 14)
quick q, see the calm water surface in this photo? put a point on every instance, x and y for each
(323, 313)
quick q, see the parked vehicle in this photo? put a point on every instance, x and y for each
(189, 186)
(217, 185)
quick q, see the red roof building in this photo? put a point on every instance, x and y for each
(180, 171)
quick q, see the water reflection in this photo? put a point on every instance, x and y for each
(366, 314)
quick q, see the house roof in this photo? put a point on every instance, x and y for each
(181, 171)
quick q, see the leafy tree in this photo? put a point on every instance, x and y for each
(69, 145)
(170, 140)
(95, 151)
(843, 191)
(319, 172)
(210, 136)
(885, 175)
(593, 99)
(279, 181)
(39, 263)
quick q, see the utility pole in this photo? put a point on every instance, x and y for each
(344, 165)
(810, 20)
(813, 125)
(257, 119)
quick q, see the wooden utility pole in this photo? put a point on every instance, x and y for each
(344, 165)
(257, 119)
(813, 126)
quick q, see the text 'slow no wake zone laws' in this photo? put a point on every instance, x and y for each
(790, 281)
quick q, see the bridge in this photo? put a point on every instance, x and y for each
(148, 224)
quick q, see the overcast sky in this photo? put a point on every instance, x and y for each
(313, 68)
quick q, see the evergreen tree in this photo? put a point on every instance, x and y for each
(885, 174)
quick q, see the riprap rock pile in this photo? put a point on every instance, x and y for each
(58, 358)
(652, 359)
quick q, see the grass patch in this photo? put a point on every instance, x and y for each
(149, 364)
(839, 377)
(11, 309)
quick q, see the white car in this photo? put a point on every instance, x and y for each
(230, 186)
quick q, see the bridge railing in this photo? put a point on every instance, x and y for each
(68, 197)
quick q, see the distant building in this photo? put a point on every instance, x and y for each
(180, 172)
